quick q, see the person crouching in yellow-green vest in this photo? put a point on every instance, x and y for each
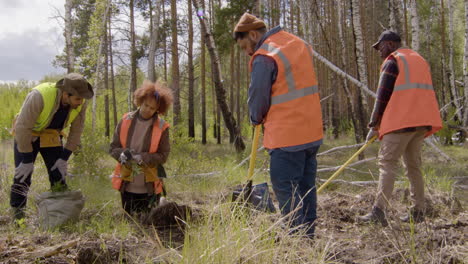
(47, 110)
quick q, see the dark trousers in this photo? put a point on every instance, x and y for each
(19, 191)
(136, 202)
(293, 179)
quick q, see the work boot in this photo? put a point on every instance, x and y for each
(18, 213)
(414, 215)
(375, 216)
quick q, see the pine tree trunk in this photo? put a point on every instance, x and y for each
(465, 67)
(154, 40)
(133, 59)
(164, 41)
(395, 16)
(306, 7)
(238, 87)
(220, 91)
(257, 8)
(111, 66)
(405, 22)
(98, 66)
(362, 104)
(175, 63)
(444, 94)
(344, 64)
(191, 110)
(106, 81)
(454, 91)
(203, 82)
(69, 36)
(231, 87)
(415, 29)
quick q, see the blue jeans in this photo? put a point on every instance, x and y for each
(293, 179)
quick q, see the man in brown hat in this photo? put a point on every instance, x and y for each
(47, 110)
(283, 97)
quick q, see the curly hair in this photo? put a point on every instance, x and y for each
(158, 90)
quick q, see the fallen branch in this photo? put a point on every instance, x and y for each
(53, 250)
(350, 165)
(357, 183)
(430, 143)
(339, 148)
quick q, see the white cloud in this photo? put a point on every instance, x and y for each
(30, 37)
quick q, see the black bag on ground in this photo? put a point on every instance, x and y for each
(259, 197)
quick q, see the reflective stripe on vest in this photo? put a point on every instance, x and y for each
(294, 117)
(413, 102)
(158, 128)
(49, 93)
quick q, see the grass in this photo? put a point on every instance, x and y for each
(220, 235)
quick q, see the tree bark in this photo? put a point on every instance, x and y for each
(175, 63)
(111, 68)
(465, 67)
(106, 81)
(203, 82)
(415, 28)
(220, 91)
(445, 98)
(453, 88)
(69, 36)
(344, 64)
(231, 87)
(395, 16)
(164, 41)
(362, 105)
(154, 40)
(133, 59)
(360, 54)
(191, 110)
(98, 67)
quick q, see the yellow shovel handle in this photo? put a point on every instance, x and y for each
(346, 164)
(253, 154)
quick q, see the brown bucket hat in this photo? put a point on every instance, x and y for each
(248, 22)
(76, 85)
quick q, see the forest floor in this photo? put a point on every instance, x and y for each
(184, 231)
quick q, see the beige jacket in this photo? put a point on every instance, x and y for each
(30, 111)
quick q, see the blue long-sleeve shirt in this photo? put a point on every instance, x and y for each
(262, 78)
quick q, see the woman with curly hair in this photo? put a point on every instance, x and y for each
(141, 145)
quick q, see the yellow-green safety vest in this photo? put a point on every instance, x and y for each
(49, 94)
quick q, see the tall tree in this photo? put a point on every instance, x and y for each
(133, 56)
(465, 66)
(395, 16)
(453, 88)
(361, 63)
(191, 79)
(154, 40)
(99, 22)
(111, 69)
(415, 28)
(106, 77)
(175, 63)
(220, 91)
(203, 77)
(69, 36)
(444, 94)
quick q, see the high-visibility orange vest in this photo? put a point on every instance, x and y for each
(413, 102)
(151, 173)
(295, 115)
